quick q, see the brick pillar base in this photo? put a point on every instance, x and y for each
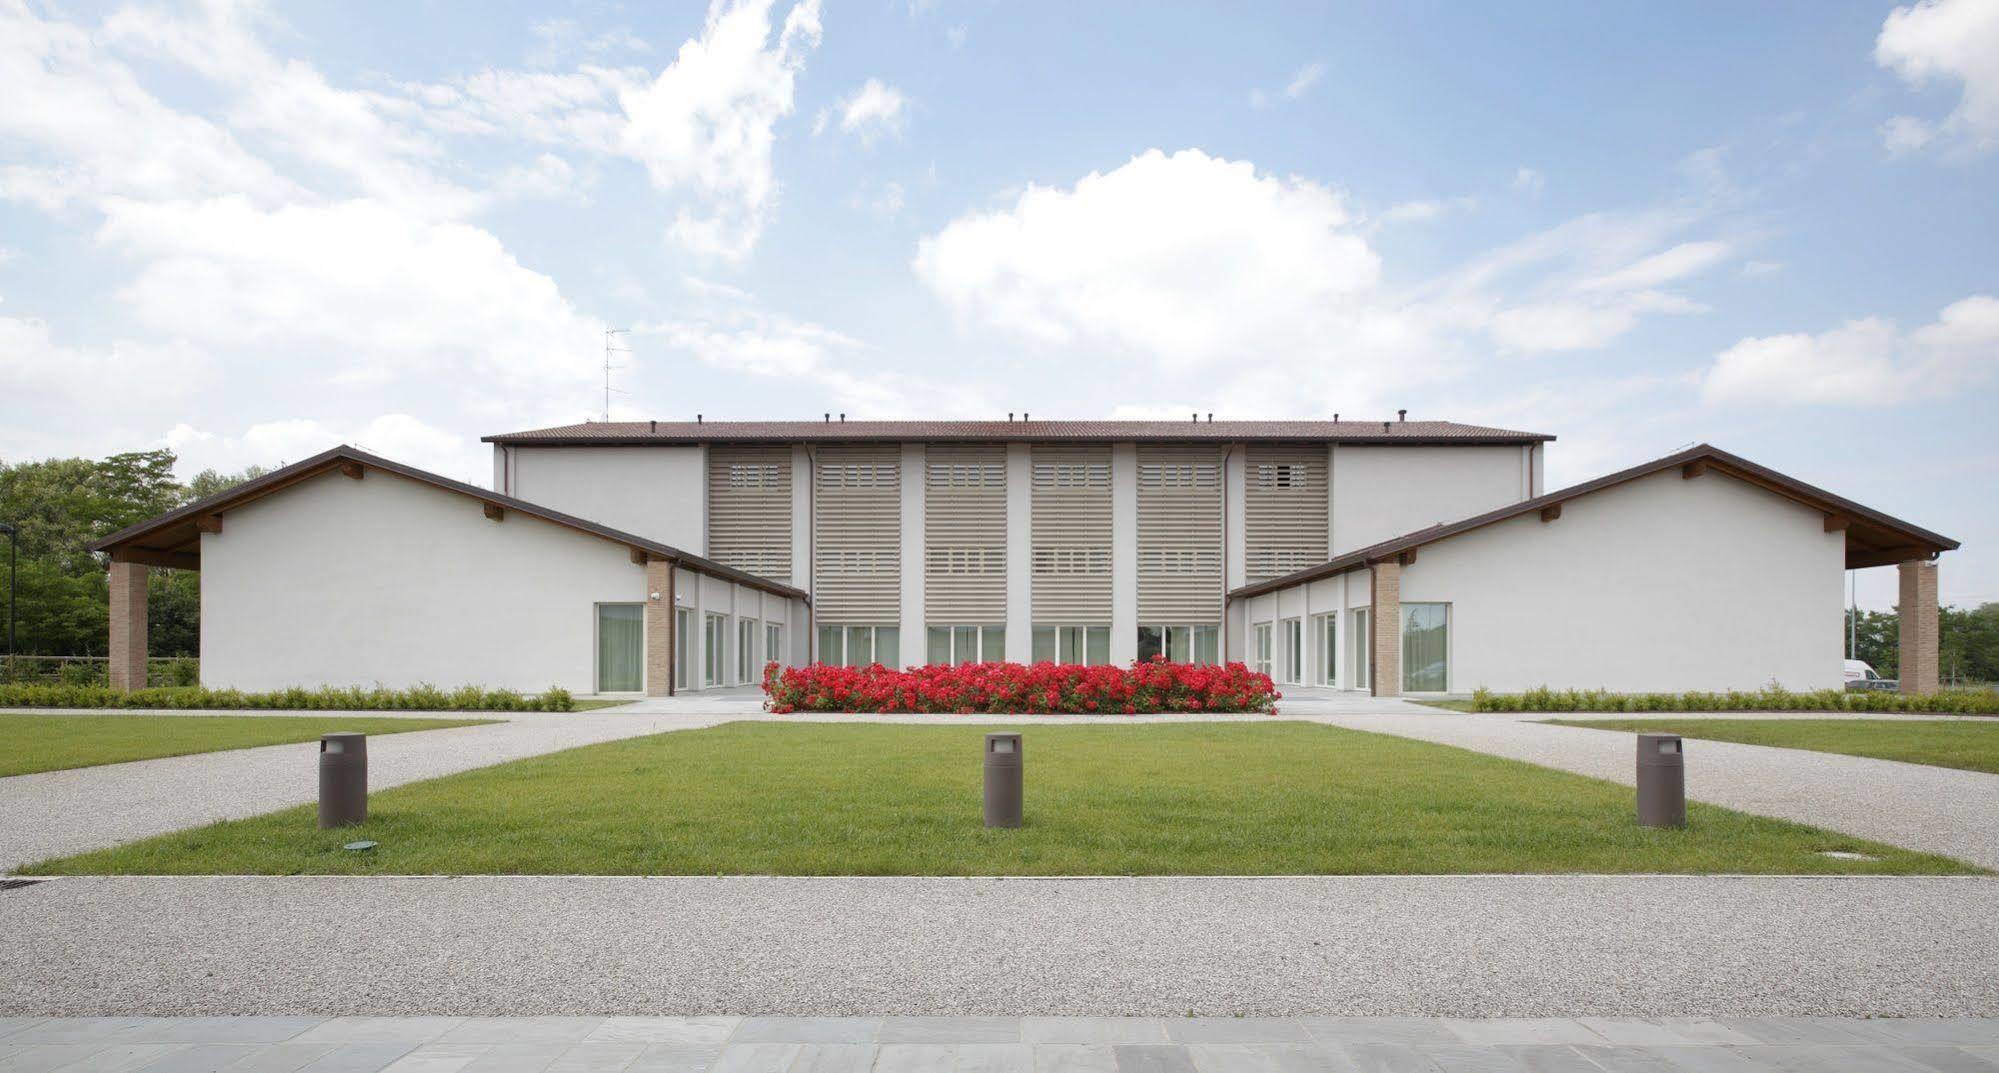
(1384, 623)
(128, 625)
(1917, 612)
(660, 624)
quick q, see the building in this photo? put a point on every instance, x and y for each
(661, 556)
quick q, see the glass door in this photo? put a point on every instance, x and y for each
(620, 648)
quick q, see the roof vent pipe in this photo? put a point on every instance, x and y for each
(829, 417)
(1211, 419)
(697, 419)
(654, 425)
(1385, 426)
(1024, 415)
(843, 419)
(1336, 417)
(1194, 417)
(1402, 415)
(1009, 417)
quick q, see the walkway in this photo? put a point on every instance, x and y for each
(986, 1044)
(1940, 810)
(55, 813)
(1471, 946)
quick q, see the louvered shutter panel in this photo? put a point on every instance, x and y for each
(1179, 535)
(1071, 534)
(964, 534)
(1286, 507)
(857, 535)
(749, 509)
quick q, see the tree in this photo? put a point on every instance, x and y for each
(1967, 643)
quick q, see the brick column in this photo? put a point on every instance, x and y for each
(660, 624)
(1384, 623)
(128, 625)
(1917, 612)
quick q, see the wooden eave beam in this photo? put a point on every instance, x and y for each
(1550, 512)
(1407, 557)
(1837, 523)
(1694, 469)
(208, 523)
(496, 512)
(352, 469)
(639, 556)
(174, 560)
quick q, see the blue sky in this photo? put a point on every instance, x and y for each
(250, 232)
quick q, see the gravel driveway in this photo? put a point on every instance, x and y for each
(1457, 946)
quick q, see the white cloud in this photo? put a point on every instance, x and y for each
(270, 444)
(389, 292)
(1866, 362)
(1427, 209)
(1948, 41)
(1905, 134)
(573, 109)
(1301, 82)
(1191, 258)
(874, 110)
(1668, 266)
(707, 123)
(125, 375)
(1528, 180)
(885, 202)
(1761, 268)
(726, 330)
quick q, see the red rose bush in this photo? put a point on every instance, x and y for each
(1014, 689)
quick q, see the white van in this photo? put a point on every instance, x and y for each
(1859, 675)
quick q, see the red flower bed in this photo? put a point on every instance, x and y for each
(1011, 688)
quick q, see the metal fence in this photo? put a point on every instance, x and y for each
(95, 670)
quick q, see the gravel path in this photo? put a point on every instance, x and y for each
(54, 813)
(1456, 946)
(1939, 810)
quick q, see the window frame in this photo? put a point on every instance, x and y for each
(1409, 606)
(1326, 642)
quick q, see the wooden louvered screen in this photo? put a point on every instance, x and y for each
(749, 509)
(1286, 510)
(964, 534)
(1179, 535)
(1071, 533)
(857, 535)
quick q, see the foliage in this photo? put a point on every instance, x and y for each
(1268, 797)
(1768, 699)
(418, 698)
(1967, 646)
(1010, 688)
(1970, 744)
(61, 742)
(60, 506)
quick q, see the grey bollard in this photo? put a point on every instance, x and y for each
(1003, 780)
(343, 779)
(1662, 781)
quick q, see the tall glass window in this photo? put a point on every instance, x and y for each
(858, 646)
(683, 646)
(773, 644)
(1180, 644)
(746, 650)
(1363, 660)
(1207, 645)
(954, 645)
(1426, 648)
(1089, 645)
(1326, 645)
(716, 635)
(1293, 632)
(1262, 648)
(620, 648)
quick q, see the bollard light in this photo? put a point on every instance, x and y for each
(1662, 781)
(1003, 780)
(343, 779)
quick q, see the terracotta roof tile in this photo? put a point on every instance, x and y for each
(605, 433)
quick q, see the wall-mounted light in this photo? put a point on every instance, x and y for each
(653, 596)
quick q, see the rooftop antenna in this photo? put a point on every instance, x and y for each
(611, 347)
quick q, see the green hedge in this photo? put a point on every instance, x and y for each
(1768, 699)
(421, 698)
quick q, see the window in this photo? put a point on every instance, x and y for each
(620, 648)
(683, 645)
(1180, 644)
(1279, 475)
(1426, 648)
(858, 646)
(1072, 560)
(1363, 659)
(773, 644)
(1293, 632)
(955, 645)
(1088, 645)
(716, 636)
(754, 475)
(966, 560)
(746, 650)
(1261, 650)
(1326, 643)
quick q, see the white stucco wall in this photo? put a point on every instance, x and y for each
(1662, 584)
(656, 492)
(343, 582)
(1383, 492)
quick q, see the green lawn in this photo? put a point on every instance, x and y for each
(816, 799)
(55, 742)
(1959, 743)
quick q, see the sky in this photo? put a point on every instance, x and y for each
(248, 232)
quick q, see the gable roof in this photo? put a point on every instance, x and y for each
(637, 433)
(174, 539)
(1872, 538)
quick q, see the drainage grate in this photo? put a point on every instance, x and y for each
(16, 884)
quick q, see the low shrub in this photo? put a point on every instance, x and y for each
(296, 698)
(1770, 698)
(1013, 688)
